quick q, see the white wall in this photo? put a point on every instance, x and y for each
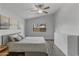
(5, 12)
(67, 19)
(67, 22)
(48, 20)
(61, 42)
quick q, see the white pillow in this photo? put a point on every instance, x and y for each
(21, 35)
(15, 36)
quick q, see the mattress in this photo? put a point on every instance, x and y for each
(29, 44)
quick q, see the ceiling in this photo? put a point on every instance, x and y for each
(23, 10)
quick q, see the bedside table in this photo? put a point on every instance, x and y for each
(4, 50)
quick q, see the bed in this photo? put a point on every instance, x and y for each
(29, 44)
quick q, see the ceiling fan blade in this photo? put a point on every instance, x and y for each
(33, 10)
(39, 5)
(46, 7)
(45, 11)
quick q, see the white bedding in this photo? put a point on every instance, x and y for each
(29, 44)
(33, 40)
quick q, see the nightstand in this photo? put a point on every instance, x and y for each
(4, 50)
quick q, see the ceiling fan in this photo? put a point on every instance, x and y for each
(41, 8)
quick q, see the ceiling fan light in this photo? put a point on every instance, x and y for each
(40, 11)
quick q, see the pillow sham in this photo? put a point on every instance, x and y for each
(15, 37)
(19, 34)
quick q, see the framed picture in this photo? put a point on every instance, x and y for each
(4, 22)
(39, 27)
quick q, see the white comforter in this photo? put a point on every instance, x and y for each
(33, 40)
